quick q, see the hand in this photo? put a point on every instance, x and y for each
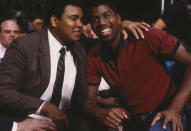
(136, 28)
(33, 124)
(58, 116)
(88, 31)
(112, 117)
(111, 101)
(169, 116)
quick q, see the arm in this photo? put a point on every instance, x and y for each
(111, 117)
(36, 124)
(172, 113)
(12, 79)
(136, 28)
(159, 24)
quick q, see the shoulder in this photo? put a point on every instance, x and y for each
(30, 41)
(157, 35)
(95, 50)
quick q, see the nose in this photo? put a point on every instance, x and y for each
(12, 34)
(102, 21)
(80, 23)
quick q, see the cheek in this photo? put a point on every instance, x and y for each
(69, 23)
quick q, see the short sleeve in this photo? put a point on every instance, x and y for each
(161, 43)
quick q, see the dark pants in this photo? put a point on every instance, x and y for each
(141, 122)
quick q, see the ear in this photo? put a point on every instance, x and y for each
(53, 21)
(119, 18)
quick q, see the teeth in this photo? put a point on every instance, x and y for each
(105, 30)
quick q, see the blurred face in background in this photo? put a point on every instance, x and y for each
(37, 24)
(9, 31)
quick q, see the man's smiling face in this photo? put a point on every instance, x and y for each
(105, 23)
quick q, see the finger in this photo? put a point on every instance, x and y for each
(119, 113)
(109, 124)
(134, 32)
(174, 126)
(125, 35)
(115, 116)
(145, 24)
(112, 121)
(166, 120)
(125, 115)
(140, 32)
(180, 126)
(144, 28)
(156, 118)
(48, 126)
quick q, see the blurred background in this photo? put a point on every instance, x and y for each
(24, 11)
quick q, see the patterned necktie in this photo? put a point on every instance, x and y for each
(57, 90)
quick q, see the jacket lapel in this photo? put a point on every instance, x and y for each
(44, 60)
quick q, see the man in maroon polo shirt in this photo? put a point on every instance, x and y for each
(134, 69)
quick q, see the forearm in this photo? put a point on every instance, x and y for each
(159, 24)
(92, 108)
(183, 94)
(17, 102)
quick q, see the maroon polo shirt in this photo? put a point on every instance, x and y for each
(142, 82)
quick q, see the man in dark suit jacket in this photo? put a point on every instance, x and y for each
(26, 70)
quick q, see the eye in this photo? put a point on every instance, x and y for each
(7, 31)
(107, 15)
(16, 32)
(74, 18)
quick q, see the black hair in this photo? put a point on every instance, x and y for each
(56, 7)
(109, 3)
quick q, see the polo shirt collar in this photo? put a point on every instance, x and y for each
(107, 55)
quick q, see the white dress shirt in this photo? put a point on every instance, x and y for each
(68, 82)
(69, 76)
(2, 51)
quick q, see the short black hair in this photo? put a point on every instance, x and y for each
(56, 7)
(109, 3)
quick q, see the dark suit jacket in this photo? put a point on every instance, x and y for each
(6, 124)
(25, 74)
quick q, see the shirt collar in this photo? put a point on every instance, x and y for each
(2, 47)
(55, 46)
(107, 55)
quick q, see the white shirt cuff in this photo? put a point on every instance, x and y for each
(39, 109)
(14, 128)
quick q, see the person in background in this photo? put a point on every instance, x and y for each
(9, 30)
(37, 24)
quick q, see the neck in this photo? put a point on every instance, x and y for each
(115, 43)
(56, 36)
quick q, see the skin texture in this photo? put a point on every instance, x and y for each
(69, 27)
(103, 18)
(112, 117)
(9, 31)
(36, 125)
